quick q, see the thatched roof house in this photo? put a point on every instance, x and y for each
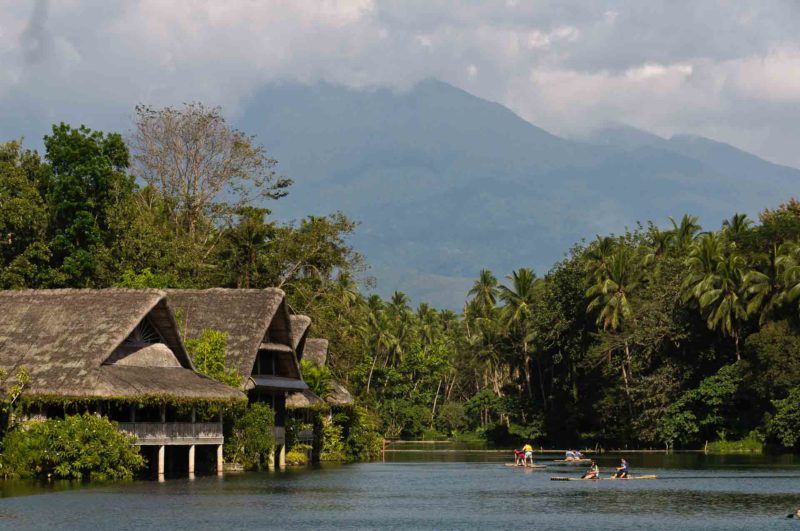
(104, 344)
(260, 344)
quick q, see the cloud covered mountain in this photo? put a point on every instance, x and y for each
(445, 183)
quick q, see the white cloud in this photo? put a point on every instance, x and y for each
(775, 76)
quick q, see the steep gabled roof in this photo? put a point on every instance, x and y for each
(244, 314)
(316, 351)
(68, 340)
(300, 325)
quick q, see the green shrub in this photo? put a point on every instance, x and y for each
(363, 442)
(332, 441)
(452, 418)
(293, 428)
(77, 447)
(785, 424)
(752, 444)
(297, 456)
(208, 356)
(251, 441)
(318, 378)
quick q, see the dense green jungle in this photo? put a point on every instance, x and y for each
(669, 335)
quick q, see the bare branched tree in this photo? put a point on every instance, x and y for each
(204, 168)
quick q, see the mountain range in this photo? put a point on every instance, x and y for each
(444, 183)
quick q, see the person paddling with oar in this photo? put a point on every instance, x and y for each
(622, 470)
(593, 472)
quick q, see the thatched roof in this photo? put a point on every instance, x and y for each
(253, 319)
(339, 396)
(97, 343)
(316, 351)
(304, 400)
(300, 325)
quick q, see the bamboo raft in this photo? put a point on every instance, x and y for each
(525, 466)
(571, 461)
(629, 478)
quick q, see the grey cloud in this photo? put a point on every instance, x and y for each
(668, 66)
(35, 39)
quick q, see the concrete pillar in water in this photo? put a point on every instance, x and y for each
(191, 462)
(282, 456)
(161, 454)
(219, 460)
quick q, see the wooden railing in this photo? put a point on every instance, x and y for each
(174, 432)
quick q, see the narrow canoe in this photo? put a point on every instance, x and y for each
(527, 466)
(631, 478)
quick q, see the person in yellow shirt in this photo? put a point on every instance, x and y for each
(528, 449)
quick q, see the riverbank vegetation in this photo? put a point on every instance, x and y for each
(657, 337)
(664, 336)
(81, 447)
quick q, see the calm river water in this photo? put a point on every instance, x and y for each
(428, 490)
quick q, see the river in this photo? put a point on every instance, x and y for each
(431, 490)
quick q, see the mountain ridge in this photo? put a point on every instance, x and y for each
(445, 183)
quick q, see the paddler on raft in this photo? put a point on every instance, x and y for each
(519, 457)
(573, 455)
(528, 449)
(622, 470)
(593, 472)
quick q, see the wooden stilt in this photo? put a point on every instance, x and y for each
(161, 455)
(191, 462)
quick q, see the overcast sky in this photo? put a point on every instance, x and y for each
(729, 70)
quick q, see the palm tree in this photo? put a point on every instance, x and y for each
(763, 285)
(428, 320)
(484, 291)
(377, 338)
(610, 296)
(610, 292)
(398, 304)
(520, 297)
(661, 240)
(519, 300)
(789, 264)
(686, 231)
(722, 300)
(598, 254)
(705, 255)
(737, 225)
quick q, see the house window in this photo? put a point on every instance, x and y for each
(265, 363)
(143, 334)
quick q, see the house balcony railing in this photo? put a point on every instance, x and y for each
(306, 436)
(150, 433)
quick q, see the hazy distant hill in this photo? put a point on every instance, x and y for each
(445, 183)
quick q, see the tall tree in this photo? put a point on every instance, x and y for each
(518, 307)
(686, 231)
(611, 298)
(722, 300)
(87, 187)
(484, 292)
(203, 166)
